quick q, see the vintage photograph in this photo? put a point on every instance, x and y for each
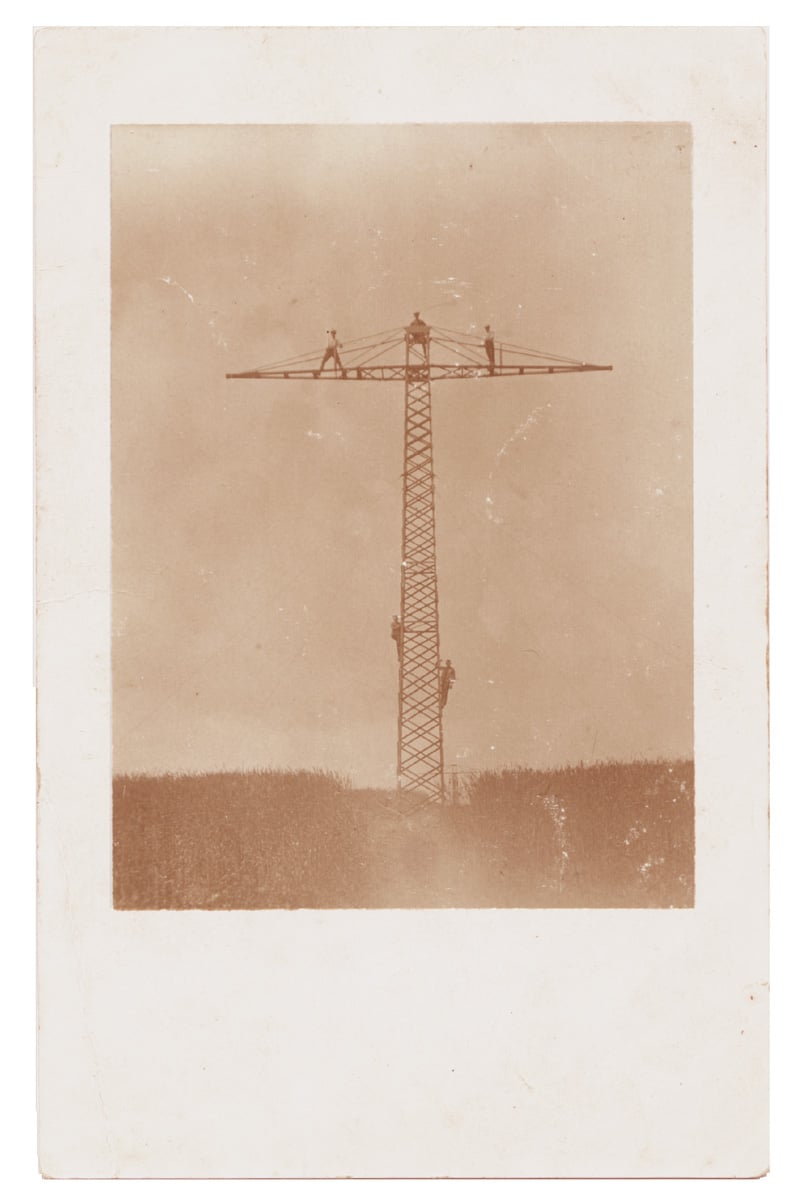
(401, 494)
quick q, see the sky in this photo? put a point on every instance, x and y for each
(256, 524)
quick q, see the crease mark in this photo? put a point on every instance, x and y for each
(174, 283)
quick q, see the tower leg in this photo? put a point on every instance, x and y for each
(420, 760)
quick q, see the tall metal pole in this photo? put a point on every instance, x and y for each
(420, 759)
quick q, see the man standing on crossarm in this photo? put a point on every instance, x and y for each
(418, 331)
(488, 345)
(331, 351)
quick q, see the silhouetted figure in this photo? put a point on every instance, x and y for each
(418, 331)
(488, 345)
(397, 634)
(447, 677)
(331, 351)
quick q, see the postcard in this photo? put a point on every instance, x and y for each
(401, 460)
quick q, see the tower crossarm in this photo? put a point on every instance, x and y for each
(396, 372)
(382, 358)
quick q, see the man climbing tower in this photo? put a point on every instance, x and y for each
(397, 634)
(447, 677)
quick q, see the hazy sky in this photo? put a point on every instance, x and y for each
(256, 524)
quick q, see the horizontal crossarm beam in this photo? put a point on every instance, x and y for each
(391, 373)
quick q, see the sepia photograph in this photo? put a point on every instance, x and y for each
(401, 496)
(401, 661)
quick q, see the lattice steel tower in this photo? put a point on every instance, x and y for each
(421, 693)
(420, 751)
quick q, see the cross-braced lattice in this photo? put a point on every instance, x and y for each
(420, 768)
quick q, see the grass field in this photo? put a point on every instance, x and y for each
(613, 835)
